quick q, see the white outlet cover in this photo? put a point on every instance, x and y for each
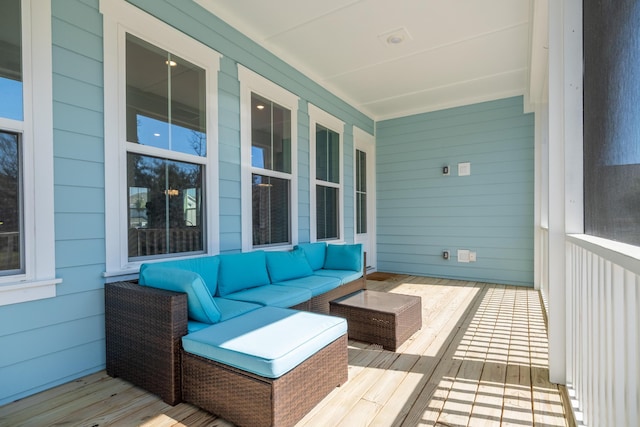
(464, 169)
(463, 255)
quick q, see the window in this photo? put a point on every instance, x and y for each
(165, 115)
(611, 110)
(160, 135)
(327, 175)
(269, 186)
(27, 269)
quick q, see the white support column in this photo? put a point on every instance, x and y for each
(557, 298)
(565, 167)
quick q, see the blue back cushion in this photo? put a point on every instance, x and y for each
(200, 303)
(207, 267)
(315, 253)
(287, 265)
(242, 271)
(344, 257)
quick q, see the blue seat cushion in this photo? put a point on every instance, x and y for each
(275, 296)
(200, 304)
(207, 267)
(316, 284)
(344, 257)
(315, 253)
(268, 342)
(345, 276)
(287, 265)
(231, 308)
(242, 271)
(228, 310)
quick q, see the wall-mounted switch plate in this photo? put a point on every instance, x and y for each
(464, 169)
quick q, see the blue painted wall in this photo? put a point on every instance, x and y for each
(48, 342)
(421, 212)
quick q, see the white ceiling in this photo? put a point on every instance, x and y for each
(458, 52)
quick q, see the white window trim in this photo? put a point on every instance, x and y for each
(38, 280)
(321, 117)
(120, 18)
(250, 82)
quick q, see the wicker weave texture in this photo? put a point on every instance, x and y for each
(389, 328)
(143, 328)
(251, 400)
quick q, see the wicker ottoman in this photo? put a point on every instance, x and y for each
(379, 317)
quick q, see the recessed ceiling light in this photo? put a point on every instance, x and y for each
(260, 107)
(395, 37)
(171, 63)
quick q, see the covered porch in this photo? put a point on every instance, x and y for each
(479, 359)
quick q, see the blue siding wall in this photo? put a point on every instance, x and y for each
(421, 212)
(48, 342)
(51, 341)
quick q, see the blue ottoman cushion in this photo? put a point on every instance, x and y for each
(268, 342)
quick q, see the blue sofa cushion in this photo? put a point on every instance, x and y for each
(242, 271)
(345, 276)
(287, 265)
(200, 304)
(230, 308)
(207, 267)
(274, 296)
(315, 253)
(268, 342)
(344, 257)
(316, 284)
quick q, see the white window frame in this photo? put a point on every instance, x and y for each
(320, 117)
(251, 82)
(38, 280)
(120, 18)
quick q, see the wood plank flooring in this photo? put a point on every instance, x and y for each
(480, 359)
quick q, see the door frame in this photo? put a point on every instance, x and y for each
(366, 142)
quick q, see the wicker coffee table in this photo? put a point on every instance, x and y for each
(379, 317)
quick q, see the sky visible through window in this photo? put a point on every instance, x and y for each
(11, 99)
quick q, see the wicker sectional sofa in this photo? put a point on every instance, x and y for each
(245, 336)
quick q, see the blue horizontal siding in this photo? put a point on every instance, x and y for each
(421, 212)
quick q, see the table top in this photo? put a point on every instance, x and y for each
(379, 301)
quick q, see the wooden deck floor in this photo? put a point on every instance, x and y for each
(480, 359)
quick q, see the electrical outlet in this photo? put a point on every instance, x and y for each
(445, 255)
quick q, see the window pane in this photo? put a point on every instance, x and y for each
(166, 206)
(326, 212)
(270, 210)
(327, 155)
(165, 99)
(361, 202)
(270, 135)
(11, 60)
(361, 192)
(10, 205)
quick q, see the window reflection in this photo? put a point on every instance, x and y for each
(165, 99)
(11, 104)
(165, 206)
(10, 205)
